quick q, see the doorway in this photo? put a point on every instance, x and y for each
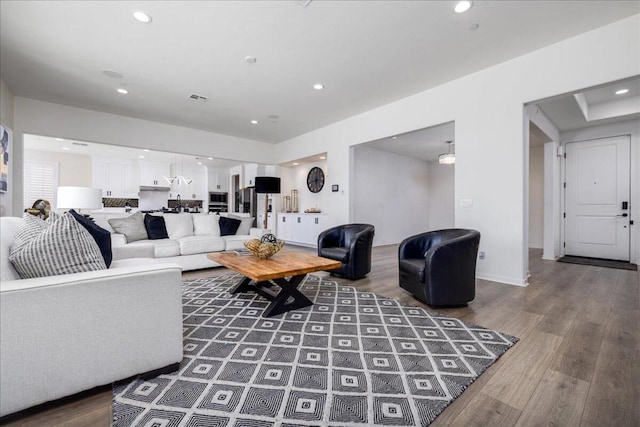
(597, 205)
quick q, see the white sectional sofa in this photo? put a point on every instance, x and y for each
(64, 334)
(191, 237)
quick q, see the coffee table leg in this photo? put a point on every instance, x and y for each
(289, 287)
(243, 286)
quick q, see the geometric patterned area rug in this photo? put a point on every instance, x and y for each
(351, 359)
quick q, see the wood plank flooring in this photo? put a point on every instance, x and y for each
(577, 362)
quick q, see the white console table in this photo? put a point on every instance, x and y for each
(301, 228)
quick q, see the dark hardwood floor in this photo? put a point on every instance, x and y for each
(577, 362)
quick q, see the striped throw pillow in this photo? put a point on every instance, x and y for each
(61, 246)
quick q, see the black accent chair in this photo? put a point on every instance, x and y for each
(439, 267)
(351, 245)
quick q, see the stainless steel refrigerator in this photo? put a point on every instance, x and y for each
(248, 202)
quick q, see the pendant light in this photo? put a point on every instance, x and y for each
(448, 158)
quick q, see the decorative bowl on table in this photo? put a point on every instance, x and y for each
(265, 247)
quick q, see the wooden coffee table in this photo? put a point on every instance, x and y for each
(275, 270)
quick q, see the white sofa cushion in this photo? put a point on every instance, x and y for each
(206, 225)
(201, 244)
(178, 225)
(235, 242)
(162, 247)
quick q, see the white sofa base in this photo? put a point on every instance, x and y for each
(65, 334)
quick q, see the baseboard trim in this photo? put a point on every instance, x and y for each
(502, 279)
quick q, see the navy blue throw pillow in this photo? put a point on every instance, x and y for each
(228, 226)
(156, 227)
(99, 234)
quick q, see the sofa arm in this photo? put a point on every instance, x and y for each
(142, 250)
(79, 331)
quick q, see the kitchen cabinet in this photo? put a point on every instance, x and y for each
(117, 178)
(197, 189)
(249, 173)
(300, 228)
(152, 173)
(218, 180)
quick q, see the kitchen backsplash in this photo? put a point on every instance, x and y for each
(185, 203)
(119, 203)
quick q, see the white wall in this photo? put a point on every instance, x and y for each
(44, 118)
(442, 205)
(487, 108)
(390, 192)
(552, 180)
(6, 118)
(536, 196)
(295, 178)
(632, 128)
(73, 169)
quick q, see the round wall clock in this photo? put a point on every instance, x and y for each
(315, 180)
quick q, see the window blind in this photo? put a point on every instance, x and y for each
(40, 182)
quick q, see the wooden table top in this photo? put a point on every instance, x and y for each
(283, 264)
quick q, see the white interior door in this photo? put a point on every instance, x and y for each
(597, 201)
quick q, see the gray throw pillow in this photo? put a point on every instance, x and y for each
(61, 247)
(245, 224)
(132, 227)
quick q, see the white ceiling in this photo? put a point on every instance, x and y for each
(600, 106)
(424, 144)
(366, 54)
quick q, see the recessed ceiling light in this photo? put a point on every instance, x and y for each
(210, 158)
(318, 86)
(254, 122)
(122, 90)
(146, 150)
(462, 6)
(142, 16)
(141, 157)
(59, 139)
(322, 157)
(250, 59)
(394, 137)
(622, 91)
(295, 163)
(66, 148)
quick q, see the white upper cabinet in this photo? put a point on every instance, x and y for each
(197, 189)
(152, 173)
(117, 178)
(218, 179)
(249, 175)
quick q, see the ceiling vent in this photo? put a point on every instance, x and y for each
(198, 98)
(81, 144)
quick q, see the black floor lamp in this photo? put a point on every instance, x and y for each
(267, 185)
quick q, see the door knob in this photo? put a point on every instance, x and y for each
(624, 215)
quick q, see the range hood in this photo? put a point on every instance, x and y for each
(150, 188)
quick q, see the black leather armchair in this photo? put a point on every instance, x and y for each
(351, 245)
(439, 267)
